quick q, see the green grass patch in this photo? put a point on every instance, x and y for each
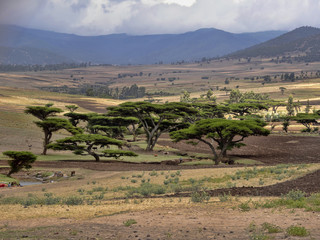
(129, 222)
(5, 179)
(297, 231)
(295, 199)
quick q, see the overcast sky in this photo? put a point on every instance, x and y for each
(99, 17)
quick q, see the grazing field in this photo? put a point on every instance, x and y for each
(174, 192)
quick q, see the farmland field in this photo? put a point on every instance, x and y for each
(174, 192)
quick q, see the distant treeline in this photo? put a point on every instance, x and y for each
(36, 68)
(101, 91)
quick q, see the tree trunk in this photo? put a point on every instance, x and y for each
(46, 141)
(149, 143)
(96, 156)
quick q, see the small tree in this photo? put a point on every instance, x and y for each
(19, 160)
(71, 108)
(227, 134)
(290, 106)
(285, 123)
(306, 120)
(282, 89)
(308, 107)
(51, 125)
(185, 97)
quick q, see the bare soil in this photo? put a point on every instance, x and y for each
(193, 222)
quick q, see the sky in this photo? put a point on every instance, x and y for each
(141, 17)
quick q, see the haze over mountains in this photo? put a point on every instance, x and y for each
(29, 46)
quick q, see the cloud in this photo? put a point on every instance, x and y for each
(97, 17)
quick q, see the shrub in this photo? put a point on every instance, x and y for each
(129, 222)
(295, 195)
(199, 197)
(147, 189)
(225, 197)
(52, 200)
(73, 200)
(271, 228)
(244, 206)
(297, 231)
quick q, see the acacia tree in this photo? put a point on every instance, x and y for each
(43, 112)
(72, 108)
(227, 134)
(241, 109)
(51, 125)
(307, 120)
(207, 110)
(19, 160)
(155, 118)
(87, 144)
(113, 126)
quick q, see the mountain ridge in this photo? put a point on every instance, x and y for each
(303, 40)
(127, 49)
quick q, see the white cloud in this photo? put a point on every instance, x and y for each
(96, 17)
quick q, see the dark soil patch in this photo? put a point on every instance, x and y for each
(269, 150)
(308, 184)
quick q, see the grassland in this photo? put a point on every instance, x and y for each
(96, 197)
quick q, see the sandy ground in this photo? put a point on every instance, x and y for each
(204, 221)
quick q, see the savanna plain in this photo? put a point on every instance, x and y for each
(268, 189)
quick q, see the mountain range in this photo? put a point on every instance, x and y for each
(30, 46)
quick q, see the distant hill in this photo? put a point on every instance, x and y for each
(303, 41)
(21, 45)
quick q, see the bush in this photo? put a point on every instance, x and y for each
(297, 231)
(244, 206)
(73, 200)
(147, 189)
(199, 197)
(271, 228)
(129, 222)
(295, 195)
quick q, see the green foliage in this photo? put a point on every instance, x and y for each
(244, 207)
(290, 106)
(88, 143)
(119, 153)
(154, 118)
(147, 189)
(19, 160)
(225, 197)
(72, 108)
(297, 231)
(199, 196)
(42, 112)
(129, 222)
(73, 200)
(306, 119)
(295, 195)
(226, 133)
(271, 228)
